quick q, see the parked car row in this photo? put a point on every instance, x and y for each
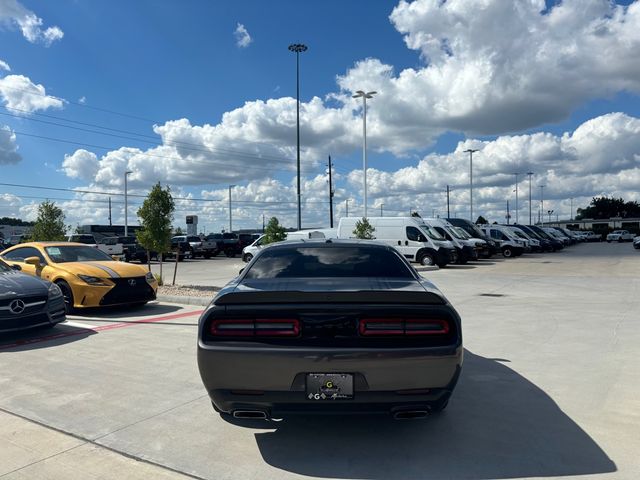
(437, 241)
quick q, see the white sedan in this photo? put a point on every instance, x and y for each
(620, 236)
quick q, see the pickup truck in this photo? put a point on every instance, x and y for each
(229, 243)
(199, 247)
(110, 246)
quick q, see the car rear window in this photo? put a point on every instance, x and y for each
(328, 261)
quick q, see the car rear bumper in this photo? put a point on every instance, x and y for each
(274, 379)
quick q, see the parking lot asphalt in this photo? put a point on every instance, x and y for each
(550, 388)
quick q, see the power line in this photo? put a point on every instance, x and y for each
(154, 141)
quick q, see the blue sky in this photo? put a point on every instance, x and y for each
(165, 61)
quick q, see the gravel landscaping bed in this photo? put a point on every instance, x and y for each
(187, 291)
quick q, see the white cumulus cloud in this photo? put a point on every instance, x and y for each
(243, 39)
(13, 13)
(20, 93)
(4, 66)
(8, 146)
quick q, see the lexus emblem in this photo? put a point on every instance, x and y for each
(132, 282)
(17, 307)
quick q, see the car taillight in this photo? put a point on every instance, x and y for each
(261, 327)
(402, 326)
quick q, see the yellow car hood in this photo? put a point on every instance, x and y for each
(106, 269)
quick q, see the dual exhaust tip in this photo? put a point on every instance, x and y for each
(399, 415)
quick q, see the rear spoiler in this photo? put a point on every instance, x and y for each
(368, 297)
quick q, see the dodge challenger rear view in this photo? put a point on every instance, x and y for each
(336, 327)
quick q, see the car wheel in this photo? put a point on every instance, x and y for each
(620, 240)
(67, 293)
(507, 252)
(426, 259)
(248, 257)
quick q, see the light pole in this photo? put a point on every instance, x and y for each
(230, 224)
(364, 96)
(126, 203)
(542, 203)
(571, 215)
(530, 174)
(381, 205)
(471, 151)
(516, 174)
(346, 202)
(549, 212)
(297, 48)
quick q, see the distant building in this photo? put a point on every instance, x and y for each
(600, 225)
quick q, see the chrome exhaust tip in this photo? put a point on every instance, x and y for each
(410, 414)
(255, 414)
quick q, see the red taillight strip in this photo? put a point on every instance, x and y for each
(264, 327)
(402, 326)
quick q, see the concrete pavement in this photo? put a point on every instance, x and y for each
(550, 388)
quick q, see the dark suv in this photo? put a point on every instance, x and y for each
(132, 250)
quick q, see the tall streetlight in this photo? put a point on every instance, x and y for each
(542, 203)
(549, 212)
(571, 215)
(364, 96)
(516, 174)
(126, 203)
(230, 224)
(381, 205)
(298, 48)
(530, 174)
(471, 151)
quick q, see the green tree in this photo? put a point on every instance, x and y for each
(605, 207)
(364, 230)
(156, 215)
(49, 226)
(274, 232)
(481, 221)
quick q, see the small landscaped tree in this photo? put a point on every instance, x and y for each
(156, 215)
(364, 230)
(49, 225)
(274, 232)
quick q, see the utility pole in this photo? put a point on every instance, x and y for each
(331, 192)
(516, 174)
(542, 203)
(571, 215)
(448, 214)
(381, 205)
(529, 173)
(263, 223)
(126, 204)
(346, 202)
(508, 214)
(230, 223)
(471, 151)
(109, 211)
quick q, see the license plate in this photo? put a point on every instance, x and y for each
(329, 386)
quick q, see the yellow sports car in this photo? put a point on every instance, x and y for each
(87, 276)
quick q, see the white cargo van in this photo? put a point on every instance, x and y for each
(467, 248)
(313, 234)
(510, 245)
(414, 239)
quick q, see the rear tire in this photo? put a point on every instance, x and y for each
(507, 252)
(248, 257)
(67, 293)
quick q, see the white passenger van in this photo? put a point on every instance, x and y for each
(510, 244)
(414, 239)
(468, 248)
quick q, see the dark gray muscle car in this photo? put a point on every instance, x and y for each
(27, 301)
(335, 326)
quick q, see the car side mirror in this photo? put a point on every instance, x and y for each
(240, 272)
(35, 261)
(16, 267)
